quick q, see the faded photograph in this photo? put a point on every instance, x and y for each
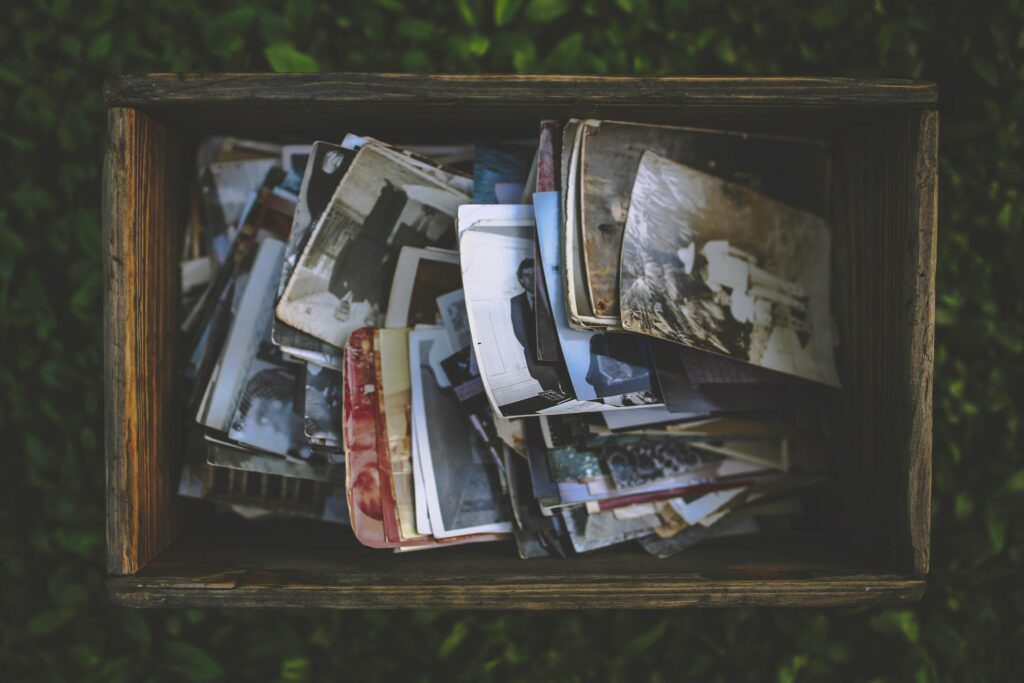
(267, 416)
(787, 169)
(452, 307)
(720, 268)
(422, 275)
(343, 277)
(635, 461)
(326, 165)
(323, 405)
(462, 476)
(616, 367)
(498, 273)
(523, 312)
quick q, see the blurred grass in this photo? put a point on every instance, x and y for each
(54, 621)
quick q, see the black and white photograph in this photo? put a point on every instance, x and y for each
(255, 396)
(223, 453)
(462, 477)
(600, 365)
(593, 531)
(635, 461)
(294, 158)
(787, 169)
(498, 275)
(452, 308)
(326, 164)
(718, 267)
(421, 276)
(323, 405)
(268, 416)
(228, 187)
(672, 364)
(343, 278)
(253, 306)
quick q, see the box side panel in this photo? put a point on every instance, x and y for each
(141, 212)
(914, 548)
(271, 566)
(884, 218)
(434, 107)
(509, 90)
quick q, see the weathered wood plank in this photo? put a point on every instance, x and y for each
(513, 91)
(270, 590)
(270, 566)
(884, 221)
(141, 215)
(919, 359)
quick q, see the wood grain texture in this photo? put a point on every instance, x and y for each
(884, 221)
(919, 358)
(781, 569)
(512, 91)
(884, 141)
(141, 218)
(454, 107)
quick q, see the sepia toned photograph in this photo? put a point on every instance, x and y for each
(791, 170)
(343, 278)
(720, 268)
(394, 392)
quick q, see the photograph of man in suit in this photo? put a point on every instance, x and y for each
(524, 325)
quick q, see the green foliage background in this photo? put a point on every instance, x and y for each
(54, 621)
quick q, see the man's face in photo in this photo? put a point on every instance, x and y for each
(526, 278)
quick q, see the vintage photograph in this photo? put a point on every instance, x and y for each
(593, 531)
(600, 365)
(500, 171)
(364, 439)
(294, 158)
(253, 311)
(421, 276)
(268, 417)
(342, 279)
(463, 373)
(672, 366)
(548, 348)
(635, 461)
(465, 493)
(498, 275)
(394, 392)
(224, 453)
(325, 167)
(227, 187)
(452, 308)
(718, 267)
(790, 170)
(577, 295)
(323, 405)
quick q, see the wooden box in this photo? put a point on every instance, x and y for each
(163, 551)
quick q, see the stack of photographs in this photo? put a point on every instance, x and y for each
(616, 333)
